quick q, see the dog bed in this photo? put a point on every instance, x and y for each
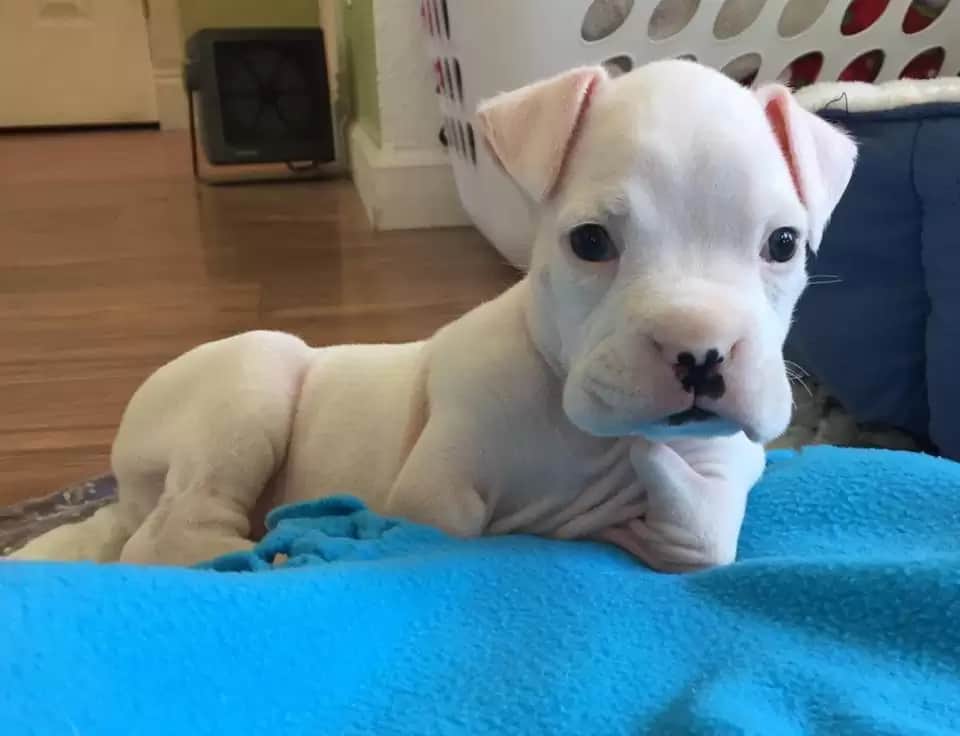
(877, 326)
(840, 618)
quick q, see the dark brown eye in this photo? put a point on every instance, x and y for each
(782, 245)
(592, 243)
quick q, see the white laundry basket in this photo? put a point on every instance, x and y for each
(481, 47)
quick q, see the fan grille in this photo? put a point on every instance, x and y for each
(267, 91)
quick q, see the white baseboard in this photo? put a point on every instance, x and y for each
(171, 100)
(408, 189)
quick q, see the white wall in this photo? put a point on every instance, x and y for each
(406, 180)
(409, 113)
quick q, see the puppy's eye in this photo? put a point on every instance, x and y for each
(592, 242)
(782, 245)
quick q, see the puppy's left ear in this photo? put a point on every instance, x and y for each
(531, 130)
(819, 155)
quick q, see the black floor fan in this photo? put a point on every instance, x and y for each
(260, 96)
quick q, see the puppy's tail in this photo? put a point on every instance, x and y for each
(98, 538)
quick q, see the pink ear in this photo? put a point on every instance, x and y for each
(532, 129)
(820, 156)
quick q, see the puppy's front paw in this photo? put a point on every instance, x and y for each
(693, 517)
(666, 548)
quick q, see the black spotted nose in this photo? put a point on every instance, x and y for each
(701, 378)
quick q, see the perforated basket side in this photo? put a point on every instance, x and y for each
(496, 45)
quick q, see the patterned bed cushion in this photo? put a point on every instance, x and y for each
(25, 521)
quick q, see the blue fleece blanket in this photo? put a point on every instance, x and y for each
(843, 617)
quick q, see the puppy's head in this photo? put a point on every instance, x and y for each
(676, 211)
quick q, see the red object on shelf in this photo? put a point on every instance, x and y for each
(865, 68)
(438, 70)
(805, 70)
(920, 15)
(925, 66)
(427, 16)
(860, 15)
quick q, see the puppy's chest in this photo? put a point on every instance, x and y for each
(570, 486)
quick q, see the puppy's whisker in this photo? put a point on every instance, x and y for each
(824, 280)
(796, 368)
(803, 384)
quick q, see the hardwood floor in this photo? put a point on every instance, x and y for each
(112, 262)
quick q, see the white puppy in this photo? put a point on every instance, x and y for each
(620, 391)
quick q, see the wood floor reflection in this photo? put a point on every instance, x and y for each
(112, 262)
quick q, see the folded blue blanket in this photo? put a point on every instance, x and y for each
(843, 617)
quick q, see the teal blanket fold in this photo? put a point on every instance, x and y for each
(841, 617)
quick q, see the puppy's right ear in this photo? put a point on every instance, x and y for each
(531, 130)
(820, 156)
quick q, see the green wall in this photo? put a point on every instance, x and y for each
(197, 14)
(360, 56)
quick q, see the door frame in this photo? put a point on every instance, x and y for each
(166, 54)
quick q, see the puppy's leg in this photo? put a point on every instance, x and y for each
(98, 538)
(696, 497)
(435, 486)
(201, 440)
(102, 536)
(203, 510)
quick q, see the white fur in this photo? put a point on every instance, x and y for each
(542, 411)
(859, 97)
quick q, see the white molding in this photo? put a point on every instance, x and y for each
(166, 50)
(404, 189)
(172, 111)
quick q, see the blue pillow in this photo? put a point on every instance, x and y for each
(880, 338)
(937, 176)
